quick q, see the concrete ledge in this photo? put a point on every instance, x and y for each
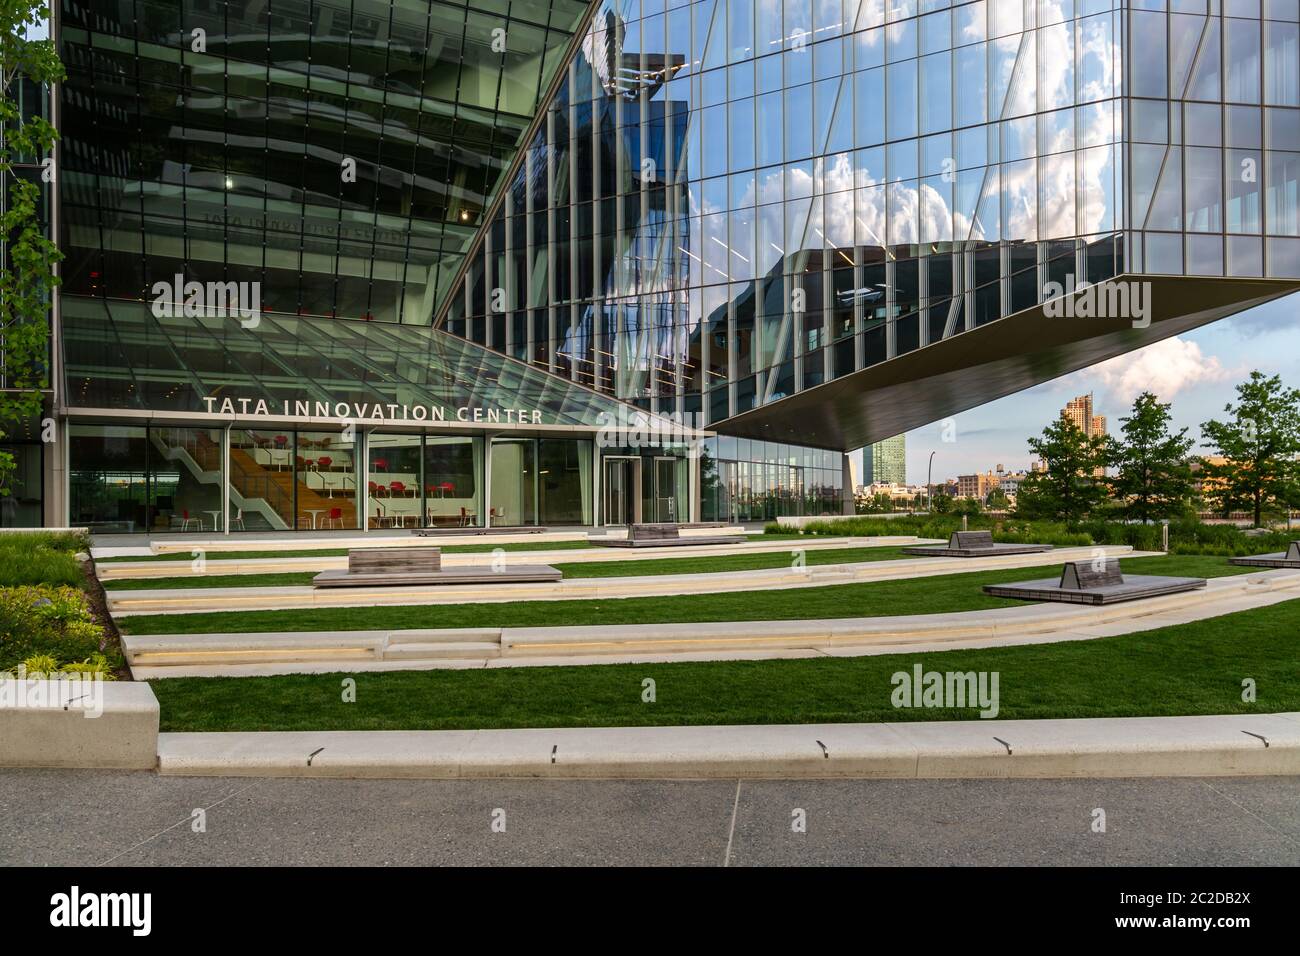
(123, 737)
(1107, 747)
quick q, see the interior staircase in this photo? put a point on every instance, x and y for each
(264, 495)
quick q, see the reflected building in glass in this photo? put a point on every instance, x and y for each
(785, 228)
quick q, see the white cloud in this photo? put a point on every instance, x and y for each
(1165, 368)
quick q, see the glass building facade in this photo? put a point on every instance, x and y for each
(338, 152)
(733, 201)
(798, 226)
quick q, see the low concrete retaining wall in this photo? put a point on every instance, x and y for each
(88, 724)
(1235, 745)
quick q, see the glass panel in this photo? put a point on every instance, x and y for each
(186, 480)
(261, 480)
(22, 506)
(564, 481)
(453, 479)
(514, 482)
(394, 481)
(107, 480)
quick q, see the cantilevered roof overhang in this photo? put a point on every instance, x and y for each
(991, 362)
(122, 360)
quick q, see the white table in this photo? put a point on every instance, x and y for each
(216, 519)
(313, 512)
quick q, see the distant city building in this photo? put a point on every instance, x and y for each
(1011, 483)
(885, 462)
(977, 486)
(1079, 410)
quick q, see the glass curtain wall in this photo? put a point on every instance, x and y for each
(749, 480)
(731, 202)
(202, 162)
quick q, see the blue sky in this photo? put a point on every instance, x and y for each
(1196, 371)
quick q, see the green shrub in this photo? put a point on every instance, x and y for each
(94, 664)
(1009, 530)
(40, 665)
(1186, 536)
(41, 619)
(41, 558)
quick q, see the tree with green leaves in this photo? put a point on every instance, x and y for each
(1258, 444)
(28, 58)
(941, 503)
(1153, 478)
(1072, 487)
(997, 499)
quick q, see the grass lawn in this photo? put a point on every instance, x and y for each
(342, 552)
(447, 548)
(588, 569)
(1187, 669)
(932, 595)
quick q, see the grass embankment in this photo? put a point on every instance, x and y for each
(931, 595)
(1193, 668)
(587, 569)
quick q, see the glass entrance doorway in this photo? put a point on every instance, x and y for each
(622, 490)
(665, 496)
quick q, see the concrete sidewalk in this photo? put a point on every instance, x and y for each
(1248, 745)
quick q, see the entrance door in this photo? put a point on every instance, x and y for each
(665, 499)
(622, 490)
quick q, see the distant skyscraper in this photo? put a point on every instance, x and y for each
(1079, 411)
(885, 462)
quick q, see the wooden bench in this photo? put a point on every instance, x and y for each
(395, 561)
(653, 532)
(967, 540)
(406, 566)
(1089, 575)
(1290, 558)
(661, 536)
(973, 544)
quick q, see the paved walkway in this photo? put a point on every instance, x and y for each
(1105, 747)
(141, 819)
(261, 654)
(197, 600)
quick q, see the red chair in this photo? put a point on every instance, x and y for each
(324, 462)
(446, 488)
(335, 519)
(281, 441)
(186, 520)
(397, 487)
(381, 464)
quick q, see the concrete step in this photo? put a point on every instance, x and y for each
(470, 635)
(475, 650)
